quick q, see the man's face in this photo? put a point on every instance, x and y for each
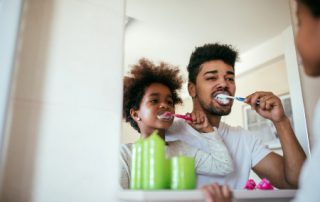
(214, 77)
(308, 40)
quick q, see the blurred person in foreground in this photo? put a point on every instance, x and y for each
(308, 44)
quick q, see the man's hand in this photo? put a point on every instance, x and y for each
(282, 171)
(217, 193)
(269, 107)
(200, 122)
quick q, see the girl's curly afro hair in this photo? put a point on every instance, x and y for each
(141, 76)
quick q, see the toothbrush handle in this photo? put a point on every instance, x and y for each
(185, 117)
(242, 99)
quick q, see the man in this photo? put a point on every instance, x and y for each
(308, 44)
(211, 72)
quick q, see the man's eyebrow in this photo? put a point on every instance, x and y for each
(216, 71)
(211, 72)
(230, 72)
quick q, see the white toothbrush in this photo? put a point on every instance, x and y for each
(224, 97)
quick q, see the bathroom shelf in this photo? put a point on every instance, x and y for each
(196, 195)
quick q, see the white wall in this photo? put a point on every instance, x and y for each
(65, 126)
(9, 25)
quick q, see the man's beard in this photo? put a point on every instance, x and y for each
(212, 110)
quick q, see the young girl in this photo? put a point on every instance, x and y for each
(149, 91)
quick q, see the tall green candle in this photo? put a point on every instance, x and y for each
(153, 159)
(167, 173)
(146, 164)
(137, 165)
(183, 173)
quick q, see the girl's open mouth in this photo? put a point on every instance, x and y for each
(165, 115)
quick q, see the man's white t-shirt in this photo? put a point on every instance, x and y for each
(309, 182)
(245, 148)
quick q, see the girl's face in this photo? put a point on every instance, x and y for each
(308, 40)
(157, 98)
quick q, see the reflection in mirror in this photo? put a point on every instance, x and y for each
(260, 30)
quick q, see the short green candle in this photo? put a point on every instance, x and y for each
(183, 173)
(137, 165)
(153, 159)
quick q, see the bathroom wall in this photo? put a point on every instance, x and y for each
(65, 127)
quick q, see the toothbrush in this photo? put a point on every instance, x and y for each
(185, 117)
(241, 99)
(223, 96)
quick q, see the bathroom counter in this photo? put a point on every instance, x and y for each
(197, 196)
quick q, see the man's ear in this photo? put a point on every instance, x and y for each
(134, 114)
(192, 89)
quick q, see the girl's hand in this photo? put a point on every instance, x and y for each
(200, 122)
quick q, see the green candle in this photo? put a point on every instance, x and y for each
(167, 173)
(183, 173)
(153, 159)
(146, 165)
(136, 165)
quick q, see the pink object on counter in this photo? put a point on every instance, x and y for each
(250, 184)
(265, 185)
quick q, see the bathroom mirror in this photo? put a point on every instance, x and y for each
(261, 31)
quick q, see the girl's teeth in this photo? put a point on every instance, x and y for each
(165, 115)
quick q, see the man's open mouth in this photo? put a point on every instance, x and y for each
(221, 100)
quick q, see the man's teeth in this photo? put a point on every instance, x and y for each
(222, 100)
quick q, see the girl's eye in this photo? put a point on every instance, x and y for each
(154, 101)
(170, 102)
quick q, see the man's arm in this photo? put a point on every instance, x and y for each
(283, 172)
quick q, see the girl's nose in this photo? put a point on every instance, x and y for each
(163, 106)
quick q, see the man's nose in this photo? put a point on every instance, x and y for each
(222, 83)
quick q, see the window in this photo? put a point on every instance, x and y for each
(264, 127)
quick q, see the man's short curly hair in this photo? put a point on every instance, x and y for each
(141, 76)
(209, 52)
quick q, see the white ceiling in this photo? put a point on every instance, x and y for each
(169, 30)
